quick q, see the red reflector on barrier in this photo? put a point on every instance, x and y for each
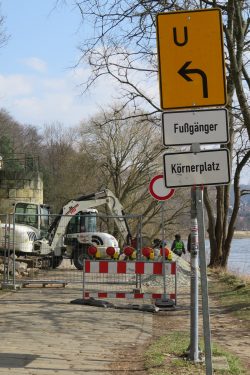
(92, 250)
(128, 251)
(146, 252)
(110, 251)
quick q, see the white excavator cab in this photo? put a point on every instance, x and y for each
(81, 232)
(85, 221)
(32, 215)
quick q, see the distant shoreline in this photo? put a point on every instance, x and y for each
(241, 234)
(238, 234)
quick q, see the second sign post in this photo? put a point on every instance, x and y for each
(192, 76)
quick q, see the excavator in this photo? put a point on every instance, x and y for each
(71, 233)
(74, 230)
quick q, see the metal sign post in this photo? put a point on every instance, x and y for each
(198, 234)
(163, 253)
(192, 74)
(193, 349)
(204, 284)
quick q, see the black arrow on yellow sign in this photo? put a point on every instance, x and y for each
(184, 73)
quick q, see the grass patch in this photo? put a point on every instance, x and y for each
(232, 293)
(158, 351)
(166, 357)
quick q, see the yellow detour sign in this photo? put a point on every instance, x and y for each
(191, 59)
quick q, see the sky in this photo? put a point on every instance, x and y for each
(38, 84)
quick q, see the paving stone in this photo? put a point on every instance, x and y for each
(43, 334)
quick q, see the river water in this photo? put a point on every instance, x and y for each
(239, 258)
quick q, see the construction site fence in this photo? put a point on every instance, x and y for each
(16, 268)
(100, 278)
(153, 280)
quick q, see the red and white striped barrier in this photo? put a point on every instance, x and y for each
(127, 295)
(112, 267)
(122, 267)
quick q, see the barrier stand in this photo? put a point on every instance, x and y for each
(148, 253)
(131, 254)
(164, 302)
(111, 267)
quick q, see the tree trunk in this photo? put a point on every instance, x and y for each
(214, 259)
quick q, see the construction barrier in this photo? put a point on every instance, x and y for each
(141, 276)
(107, 273)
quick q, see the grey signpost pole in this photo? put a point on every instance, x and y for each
(204, 285)
(193, 350)
(163, 252)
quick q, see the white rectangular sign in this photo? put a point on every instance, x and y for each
(200, 126)
(203, 168)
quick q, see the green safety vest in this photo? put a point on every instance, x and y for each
(178, 247)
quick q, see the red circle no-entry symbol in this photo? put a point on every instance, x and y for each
(158, 190)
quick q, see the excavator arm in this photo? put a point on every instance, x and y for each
(115, 208)
(105, 197)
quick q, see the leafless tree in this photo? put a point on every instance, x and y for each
(123, 47)
(128, 155)
(236, 30)
(66, 170)
(16, 138)
(4, 37)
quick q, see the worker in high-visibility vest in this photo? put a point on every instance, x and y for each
(178, 246)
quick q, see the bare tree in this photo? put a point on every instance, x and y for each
(16, 138)
(66, 170)
(236, 29)
(4, 37)
(124, 48)
(128, 155)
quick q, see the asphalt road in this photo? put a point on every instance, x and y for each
(42, 333)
